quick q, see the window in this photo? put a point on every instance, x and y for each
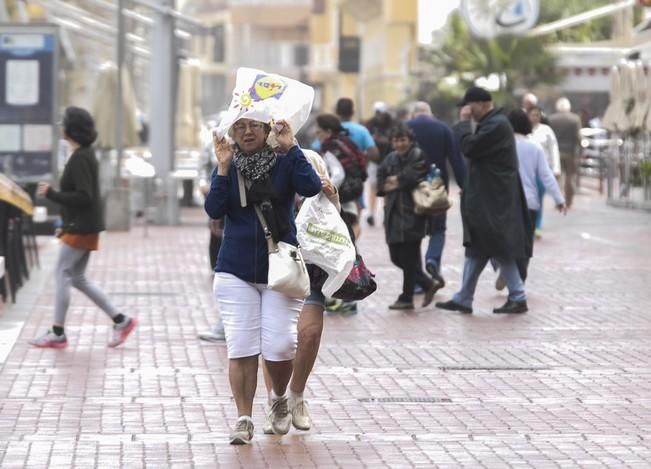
(318, 7)
(219, 46)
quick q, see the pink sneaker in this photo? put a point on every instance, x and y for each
(50, 340)
(121, 332)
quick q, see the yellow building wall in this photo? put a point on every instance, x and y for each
(320, 29)
(401, 11)
(388, 50)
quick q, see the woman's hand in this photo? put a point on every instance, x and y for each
(284, 136)
(42, 189)
(329, 188)
(391, 184)
(224, 152)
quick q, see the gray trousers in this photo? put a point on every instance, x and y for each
(70, 271)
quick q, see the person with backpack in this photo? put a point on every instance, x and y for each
(335, 142)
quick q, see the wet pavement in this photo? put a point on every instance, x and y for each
(566, 385)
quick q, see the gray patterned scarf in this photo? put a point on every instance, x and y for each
(256, 167)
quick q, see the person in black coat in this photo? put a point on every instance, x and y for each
(398, 175)
(83, 220)
(493, 205)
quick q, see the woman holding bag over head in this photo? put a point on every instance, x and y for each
(257, 320)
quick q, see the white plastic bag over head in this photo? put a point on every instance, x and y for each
(268, 98)
(325, 241)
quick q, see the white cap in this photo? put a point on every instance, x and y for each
(380, 106)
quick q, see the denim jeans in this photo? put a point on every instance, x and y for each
(473, 268)
(436, 241)
(541, 198)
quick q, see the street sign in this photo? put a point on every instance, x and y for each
(490, 18)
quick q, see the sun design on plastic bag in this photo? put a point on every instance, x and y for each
(267, 86)
(242, 101)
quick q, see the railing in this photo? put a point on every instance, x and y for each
(628, 171)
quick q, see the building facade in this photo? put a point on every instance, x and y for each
(362, 49)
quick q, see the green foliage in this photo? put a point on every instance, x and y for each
(523, 61)
(645, 170)
(595, 30)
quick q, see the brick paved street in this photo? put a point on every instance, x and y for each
(566, 385)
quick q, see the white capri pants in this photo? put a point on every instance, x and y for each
(257, 321)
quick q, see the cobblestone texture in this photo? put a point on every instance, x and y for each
(566, 385)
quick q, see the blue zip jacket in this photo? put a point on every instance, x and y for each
(243, 252)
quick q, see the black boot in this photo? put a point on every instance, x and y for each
(452, 305)
(512, 307)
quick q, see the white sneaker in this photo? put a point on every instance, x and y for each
(267, 429)
(301, 418)
(121, 331)
(216, 335)
(50, 340)
(281, 419)
(242, 433)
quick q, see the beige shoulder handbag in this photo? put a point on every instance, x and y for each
(287, 273)
(431, 197)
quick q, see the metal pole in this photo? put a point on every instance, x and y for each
(164, 62)
(119, 107)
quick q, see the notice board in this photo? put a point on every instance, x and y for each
(28, 101)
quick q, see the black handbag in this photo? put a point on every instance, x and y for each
(359, 284)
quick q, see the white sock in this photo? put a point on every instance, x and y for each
(245, 417)
(274, 397)
(295, 395)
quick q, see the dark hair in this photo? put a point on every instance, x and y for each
(79, 126)
(329, 122)
(345, 108)
(403, 130)
(520, 122)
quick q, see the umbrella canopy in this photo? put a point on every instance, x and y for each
(628, 95)
(641, 96)
(104, 108)
(188, 111)
(612, 117)
(648, 114)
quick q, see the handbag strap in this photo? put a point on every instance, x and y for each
(242, 188)
(271, 246)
